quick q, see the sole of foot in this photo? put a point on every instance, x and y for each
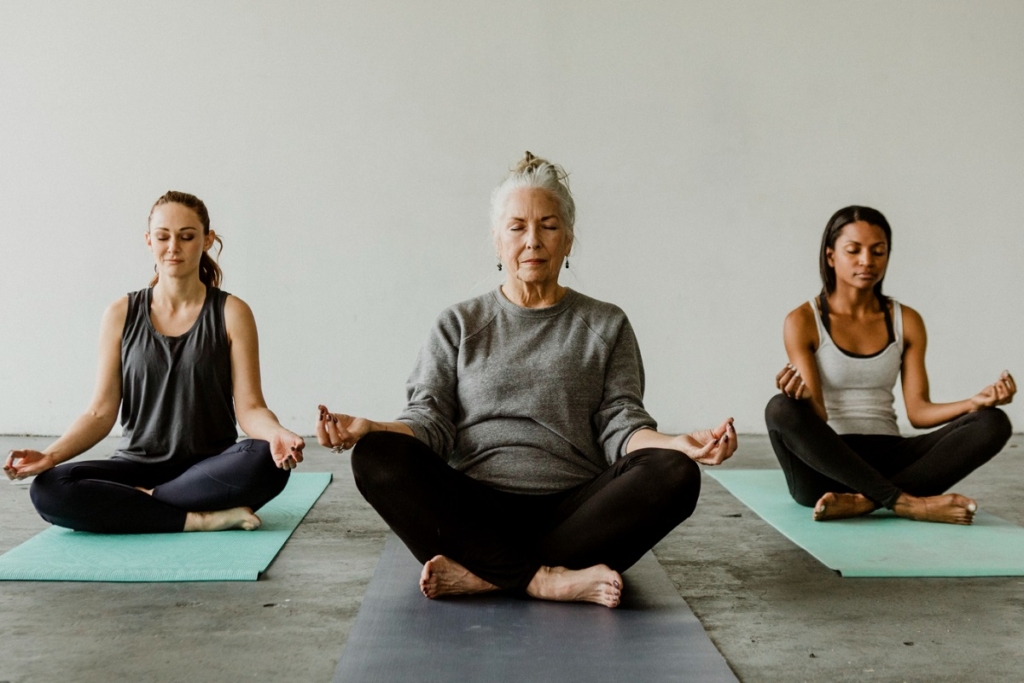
(223, 520)
(841, 506)
(951, 508)
(443, 577)
(599, 584)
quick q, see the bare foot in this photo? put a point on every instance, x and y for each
(599, 584)
(148, 492)
(841, 506)
(951, 508)
(221, 520)
(442, 577)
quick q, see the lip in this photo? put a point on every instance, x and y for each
(532, 262)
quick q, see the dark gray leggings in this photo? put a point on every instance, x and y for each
(504, 537)
(100, 495)
(817, 461)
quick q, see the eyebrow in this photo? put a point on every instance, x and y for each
(873, 244)
(187, 227)
(543, 218)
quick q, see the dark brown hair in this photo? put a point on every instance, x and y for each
(840, 219)
(209, 272)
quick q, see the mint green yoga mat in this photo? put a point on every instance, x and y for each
(62, 555)
(882, 544)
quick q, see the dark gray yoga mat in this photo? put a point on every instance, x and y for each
(401, 636)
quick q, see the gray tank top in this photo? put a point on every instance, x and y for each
(858, 389)
(176, 391)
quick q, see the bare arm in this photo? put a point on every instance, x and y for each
(707, 446)
(98, 419)
(254, 417)
(921, 411)
(800, 378)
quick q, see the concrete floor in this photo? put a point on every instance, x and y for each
(774, 612)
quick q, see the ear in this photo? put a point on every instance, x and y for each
(149, 239)
(208, 240)
(830, 256)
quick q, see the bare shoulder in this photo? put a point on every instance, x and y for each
(800, 328)
(913, 324)
(801, 319)
(115, 315)
(237, 310)
(238, 318)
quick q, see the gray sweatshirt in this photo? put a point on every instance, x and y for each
(528, 400)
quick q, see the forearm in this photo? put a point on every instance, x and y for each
(927, 414)
(393, 426)
(649, 438)
(84, 433)
(259, 422)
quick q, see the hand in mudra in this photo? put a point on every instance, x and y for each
(709, 446)
(791, 384)
(339, 431)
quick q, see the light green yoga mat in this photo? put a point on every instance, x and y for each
(62, 555)
(881, 544)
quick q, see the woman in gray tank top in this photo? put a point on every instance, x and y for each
(180, 360)
(833, 427)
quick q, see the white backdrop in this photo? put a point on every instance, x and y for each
(347, 150)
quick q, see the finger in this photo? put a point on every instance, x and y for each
(783, 377)
(704, 453)
(297, 448)
(792, 388)
(1008, 380)
(321, 431)
(338, 434)
(720, 431)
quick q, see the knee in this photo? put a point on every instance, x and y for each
(784, 414)
(375, 459)
(44, 491)
(266, 468)
(996, 427)
(676, 480)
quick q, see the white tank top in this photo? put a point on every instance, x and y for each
(858, 389)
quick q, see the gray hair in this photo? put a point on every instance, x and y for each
(534, 172)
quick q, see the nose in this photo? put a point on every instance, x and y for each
(533, 236)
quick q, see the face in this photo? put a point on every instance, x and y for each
(176, 239)
(860, 255)
(531, 240)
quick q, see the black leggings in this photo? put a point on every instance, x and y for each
(817, 461)
(504, 537)
(100, 495)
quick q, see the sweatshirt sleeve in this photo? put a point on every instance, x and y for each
(431, 391)
(622, 409)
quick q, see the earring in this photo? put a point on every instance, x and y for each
(567, 263)
(499, 265)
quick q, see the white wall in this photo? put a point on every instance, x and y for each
(347, 151)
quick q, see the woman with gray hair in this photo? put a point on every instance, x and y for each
(525, 460)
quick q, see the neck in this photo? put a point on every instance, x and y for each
(178, 292)
(531, 295)
(852, 301)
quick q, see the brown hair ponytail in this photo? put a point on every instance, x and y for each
(210, 273)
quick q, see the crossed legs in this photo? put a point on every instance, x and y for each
(570, 545)
(119, 496)
(853, 474)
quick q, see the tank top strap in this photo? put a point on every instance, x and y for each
(897, 322)
(824, 338)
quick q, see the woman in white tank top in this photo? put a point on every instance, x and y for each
(833, 427)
